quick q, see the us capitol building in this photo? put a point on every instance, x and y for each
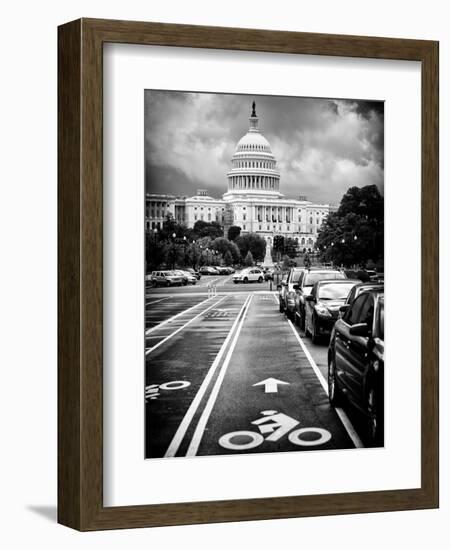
(253, 200)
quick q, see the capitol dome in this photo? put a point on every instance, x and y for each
(253, 166)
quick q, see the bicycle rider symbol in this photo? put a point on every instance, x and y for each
(277, 425)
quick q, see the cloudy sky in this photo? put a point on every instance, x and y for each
(322, 146)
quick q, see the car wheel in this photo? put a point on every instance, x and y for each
(245, 280)
(375, 418)
(260, 280)
(334, 393)
(315, 337)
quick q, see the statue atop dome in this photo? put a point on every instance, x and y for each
(254, 109)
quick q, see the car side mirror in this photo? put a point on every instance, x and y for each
(278, 287)
(360, 329)
(344, 308)
(309, 298)
(295, 287)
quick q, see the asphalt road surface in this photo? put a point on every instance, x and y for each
(226, 373)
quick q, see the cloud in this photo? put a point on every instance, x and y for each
(322, 146)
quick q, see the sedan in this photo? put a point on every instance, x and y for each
(356, 291)
(356, 361)
(191, 279)
(322, 306)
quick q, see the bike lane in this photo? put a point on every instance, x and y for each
(176, 370)
(269, 395)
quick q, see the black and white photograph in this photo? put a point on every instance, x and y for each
(264, 274)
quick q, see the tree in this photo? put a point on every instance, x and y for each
(208, 229)
(355, 233)
(253, 243)
(233, 232)
(288, 262)
(248, 261)
(228, 258)
(222, 246)
(290, 247)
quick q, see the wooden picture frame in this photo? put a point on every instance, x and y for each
(80, 272)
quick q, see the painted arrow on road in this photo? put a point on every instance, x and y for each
(271, 384)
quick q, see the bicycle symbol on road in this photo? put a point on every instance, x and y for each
(277, 425)
(153, 390)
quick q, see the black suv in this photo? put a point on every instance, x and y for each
(304, 286)
(356, 361)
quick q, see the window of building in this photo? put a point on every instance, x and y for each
(209, 217)
(260, 227)
(288, 228)
(244, 216)
(195, 216)
(243, 227)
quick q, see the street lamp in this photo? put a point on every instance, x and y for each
(184, 245)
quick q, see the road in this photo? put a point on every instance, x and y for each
(226, 373)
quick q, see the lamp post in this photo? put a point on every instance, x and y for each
(173, 250)
(184, 245)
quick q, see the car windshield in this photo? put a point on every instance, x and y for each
(312, 278)
(338, 291)
(295, 276)
(381, 320)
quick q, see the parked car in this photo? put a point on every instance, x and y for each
(249, 275)
(208, 270)
(268, 274)
(165, 278)
(193, 272)
(304, 286)
(191, 279)
(356, 291)
(287, 291)
(322, 306)
(224, 270)
(356, 361)
(181, 274)
(378, 277)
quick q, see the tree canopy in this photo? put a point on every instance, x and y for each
(233, 232)
(253, 243)
(355, 233)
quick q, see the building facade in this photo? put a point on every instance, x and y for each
(253, 200)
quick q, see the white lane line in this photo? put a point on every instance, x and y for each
(200, 428)
(184, 425)
(156, 301)
(149, 330)
(340, 412)
(172, 334)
